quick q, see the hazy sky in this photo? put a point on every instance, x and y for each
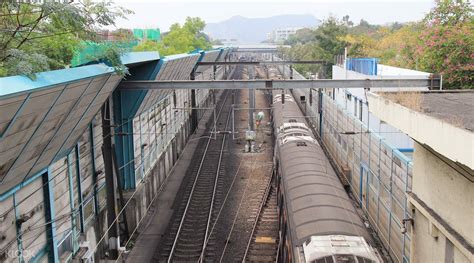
(161, 13)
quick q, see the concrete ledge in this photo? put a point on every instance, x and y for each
(453, 142)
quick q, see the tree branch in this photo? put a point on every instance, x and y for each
(37, 21)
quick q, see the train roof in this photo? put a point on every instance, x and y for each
(316, 202)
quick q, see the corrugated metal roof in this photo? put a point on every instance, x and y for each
(17, 84)
(42, 120)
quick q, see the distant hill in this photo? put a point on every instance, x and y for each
(255, 30)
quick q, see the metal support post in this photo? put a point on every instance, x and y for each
(251, 99)
(251, 108)
(233, 122)
(50, 216)
(109, 181)
(194, 116)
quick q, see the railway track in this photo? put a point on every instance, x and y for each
(187, 237)
(263, 243)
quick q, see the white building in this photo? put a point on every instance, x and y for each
(282, 34)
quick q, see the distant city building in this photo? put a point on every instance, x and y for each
(282, 34)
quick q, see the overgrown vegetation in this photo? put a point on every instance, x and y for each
(42, 36)
(180, 39)
(442, 43)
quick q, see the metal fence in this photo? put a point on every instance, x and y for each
(378, 174)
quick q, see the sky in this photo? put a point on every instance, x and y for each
(163, 13)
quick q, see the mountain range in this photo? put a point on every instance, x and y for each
(254, 30)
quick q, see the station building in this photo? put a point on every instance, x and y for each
(53, 160)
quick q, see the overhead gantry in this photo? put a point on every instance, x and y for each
(265, 84)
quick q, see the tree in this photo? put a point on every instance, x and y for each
(447, 43)
(217, 42)
(346, 21)
(180, 39)
(147, 45)
(186, 38)
(42, 36)
(322, 43)
(302, 36)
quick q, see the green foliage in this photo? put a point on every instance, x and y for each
(329, 36)
(183, 39)
(109, 53)
(147, 45)
(19, 62)
(443, 42)
(50, 29)
(322, 43)
(447, 43)
(180, 39)
(303, 36)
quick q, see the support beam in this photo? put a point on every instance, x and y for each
(52, 237)
(256, 50)
(109, 180)
(262, 84)
(256, 63)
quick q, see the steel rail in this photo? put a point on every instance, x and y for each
(262, 204)
(214, 189)
(194, 185)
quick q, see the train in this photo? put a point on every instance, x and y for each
(317, 219)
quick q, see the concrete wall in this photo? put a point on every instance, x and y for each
(441, 185)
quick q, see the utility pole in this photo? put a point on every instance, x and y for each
(109, 180)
